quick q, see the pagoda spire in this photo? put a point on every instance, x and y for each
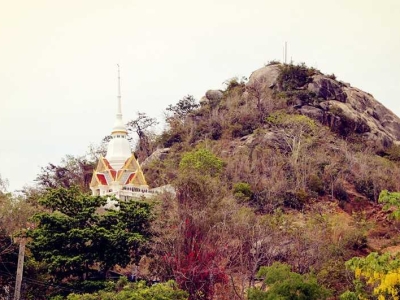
(119, 173)
(119, 126)
(119, 110)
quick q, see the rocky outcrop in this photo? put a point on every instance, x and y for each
(266, 76)
(334, 103)
(382, 121)
(212, 96)
(274, 139)
(159, 154)
(327, 88)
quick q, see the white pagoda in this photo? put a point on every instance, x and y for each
(119, 173)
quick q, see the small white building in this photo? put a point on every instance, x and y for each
(119, 174)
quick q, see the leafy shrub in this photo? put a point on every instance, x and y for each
(366, 188)
(273, 62)
(266, 202)
(347, 295)
(355, 240)
(291, 122)
(201, 160)
(168, 138)
(216, 130)
(139, 291)
(292, 77)
(90, 286)
(200, 131)
(296, 200)
(242, 191)
(238, 130)
(332, 274)
(331, 76)
(393, 152)
(234, 82)
(340, 193)
(316, 184)
(281, 283)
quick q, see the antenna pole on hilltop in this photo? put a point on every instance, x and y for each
(285, 52)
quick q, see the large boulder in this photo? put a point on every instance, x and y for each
(214, 95)
(266, 76)
(262, 82)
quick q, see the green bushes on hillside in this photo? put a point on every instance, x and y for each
(280, 283)
(138, 291)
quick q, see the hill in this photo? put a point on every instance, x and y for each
(297, 141)
(290, 128)
(277, 182)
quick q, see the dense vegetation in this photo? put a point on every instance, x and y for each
(269, 204)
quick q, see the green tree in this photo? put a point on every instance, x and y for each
(74, 239)
(280, 283)
(138, 291)
(184, 106)
(201, 161)
(376, 276)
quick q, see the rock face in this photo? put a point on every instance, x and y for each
(353, 110)
(327, 88)
(344, 108)
(159, 154)
(312, 112)
(383, 122)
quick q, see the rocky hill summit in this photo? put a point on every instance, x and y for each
(345, 109)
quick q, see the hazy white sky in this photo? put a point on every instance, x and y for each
(58, 61)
